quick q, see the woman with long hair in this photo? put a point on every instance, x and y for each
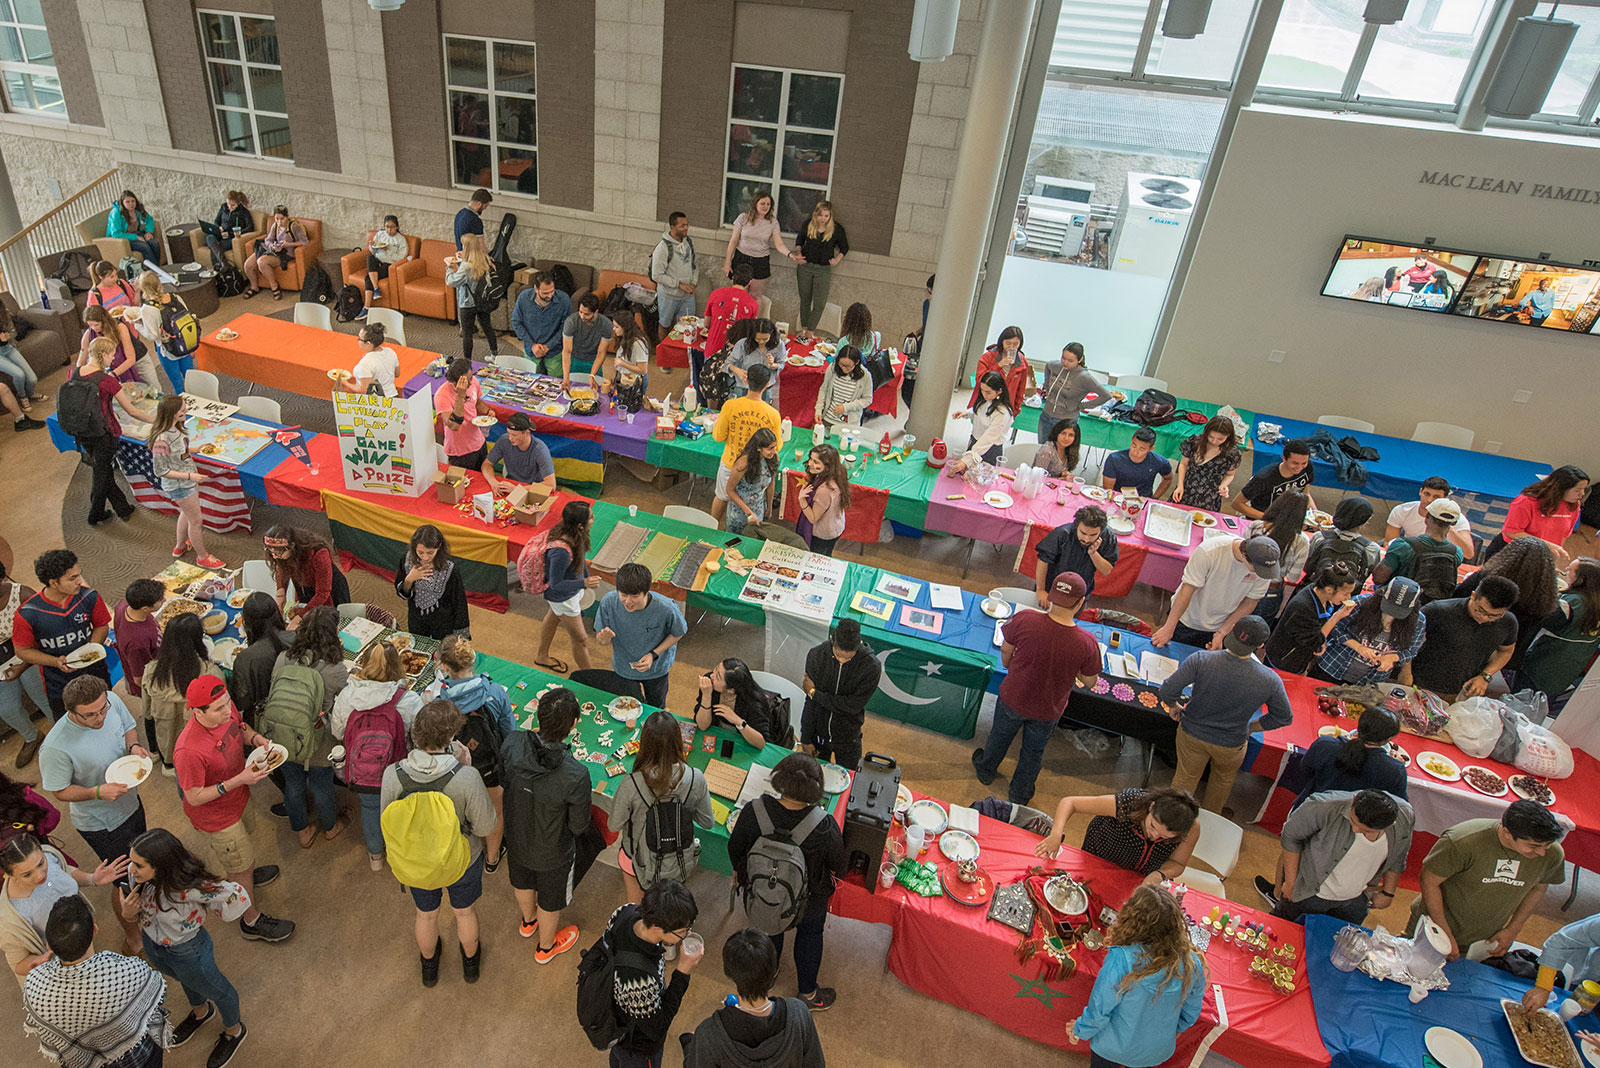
(233, 219)
(431, 584)
(991, 415)
(566, 569)
(1058, 453)
(1284, 523)
(1383, 632)
(273, 252)
(1150, 988)
(1359, 761)
(759, 343)
(266, 634)
(1068, 385)
(1206, 466)
(24, 811)
(317, 646)
(459, 400)
(855, 330)
(1529, 563)
(728, 692)
(469, 274)
(101, 451)
(155, 302)
(1151, 832)
(630, 362)
(131, 361)
(750, 487)
(1308, 617)
(19, 678)
(306, 559)
(129, 221)
(37, 875)
(109, 289)
(476, 695)
(379, 364)
(824, 499)
(818, 247)
(1566, 640)
(755, 235)
(378, 679)
(180, 478)
(1006, 358)
(660, 775)
(171, 894)
(846, 391)
(1547, 510)
(166, 680)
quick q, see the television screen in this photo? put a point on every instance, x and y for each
(1533, 293)
(1406, 276)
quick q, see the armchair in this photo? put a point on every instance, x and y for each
(93, 232)
(294, 275)
(353, 271)
(420, 283)
(242, 245)
(48, 345)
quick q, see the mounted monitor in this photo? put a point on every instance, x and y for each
(1399, 275)
(1533, 293)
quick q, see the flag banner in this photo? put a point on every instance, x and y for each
(941, 690)
(375, 538)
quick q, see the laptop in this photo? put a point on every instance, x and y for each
(211, 229)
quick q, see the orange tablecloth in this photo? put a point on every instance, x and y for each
(293, 357)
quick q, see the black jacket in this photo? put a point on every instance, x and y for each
(237, 222)
(796, 1046)
(1298, 637)
(546, 802)
(448, 617)
(838, 707)
(645, 1001)
(252, 672)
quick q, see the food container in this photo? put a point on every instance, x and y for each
(214, 621)
(450, 485)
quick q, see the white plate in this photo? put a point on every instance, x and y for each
(1120, 525)
(902, 798)
(86, 656)
(208, 274)
(1590, 1053)
(192, 266)
(1096, 493)
(1492, 793)
(624, 709)
(259, 754)
(930, 814)
(1426, 755)
(227, 335)
(958, 845)
(1000, 609)
(1451, 1048)
(835, 780)
(816, 361)
(237, 598)
(129, 770)
(1526, 796)
(996, 499)
(223, 650)
(484, 420)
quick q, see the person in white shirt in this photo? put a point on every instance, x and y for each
(378, 367)
(387, 248)
(1410, 519)
(1222, 582)
(1343, 854)
(991, 421)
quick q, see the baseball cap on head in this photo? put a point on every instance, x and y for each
(1445, 510)
(203, 690)
(1401, 596)
(1247, 636)
(1262, 555)
(1068, 589)
(519, 421)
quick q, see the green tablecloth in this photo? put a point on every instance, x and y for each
(1115, 434)
(721, 594)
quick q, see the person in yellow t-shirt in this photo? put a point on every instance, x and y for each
(739, 419)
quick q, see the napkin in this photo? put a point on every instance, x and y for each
(963, 818)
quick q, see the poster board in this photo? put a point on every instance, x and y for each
(386, 443)
(795, 581)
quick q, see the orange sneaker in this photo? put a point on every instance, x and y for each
(565, 939)
(528, 928)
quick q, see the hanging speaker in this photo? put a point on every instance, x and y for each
(1185, 18)
(1384, 12)
(1529, 67)
(933, 30)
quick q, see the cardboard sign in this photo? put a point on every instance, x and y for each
(386, 443)
(212, 411)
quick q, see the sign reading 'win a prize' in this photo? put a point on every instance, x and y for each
(386, 443)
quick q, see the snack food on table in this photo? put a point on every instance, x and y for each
(1541, 1037)
(1484, 780)
(1533, 788)
(414, 662)
(181, 606)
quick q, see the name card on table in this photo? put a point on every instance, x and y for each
(386, 443)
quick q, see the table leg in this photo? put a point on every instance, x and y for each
(966, 564)
(1149, 764)
(1574, 895)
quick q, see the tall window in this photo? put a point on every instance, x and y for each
(494, 119)
(27, 63)
(782, 128)
(246, 78)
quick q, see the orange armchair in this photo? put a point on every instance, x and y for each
(294, 275)
(353, 271)
(421, 282)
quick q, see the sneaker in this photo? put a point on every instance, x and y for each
(169, 771)
(375, 860)
(528, 928)
(227, 1045)
(565, 939)
(362, 314)
(267, 929)
(191, 1023)
(821, 999)
(212, 562)
(492, 866)
(26, 754)
(469, 965)
(1268, 892)
(977, 755)
(265, 875)
(26, 423)
(280, 810)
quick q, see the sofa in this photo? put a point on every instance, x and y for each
(93, 232)
(49, 264)
(51, 342)
(583, 276)
(421, 282)
(353, 271)
(609, 280)
(242, 246)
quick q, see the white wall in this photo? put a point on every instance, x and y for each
(1291, 185)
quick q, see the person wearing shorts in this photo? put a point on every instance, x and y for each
(738, 421)
(547, 808)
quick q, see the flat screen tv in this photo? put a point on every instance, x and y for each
(1398, 275)
(1532, 293)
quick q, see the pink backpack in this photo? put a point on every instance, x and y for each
(530, 563)
(374, 738)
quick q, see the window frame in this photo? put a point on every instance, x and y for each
(243, 65)
(1140, 75)
(775, 178)
(492, 142)
(31, 70)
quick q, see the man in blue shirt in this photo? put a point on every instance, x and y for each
(469, 220)
(1540, 303)
(97, 731)
(644, 628)
(1137, 467)
(525, 458)
(537, 318)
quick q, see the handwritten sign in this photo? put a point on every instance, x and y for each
(212, 411)
(386, 443)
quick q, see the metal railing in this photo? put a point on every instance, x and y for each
(54, 231)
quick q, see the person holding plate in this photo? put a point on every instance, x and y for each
(98, 730)
(460, 401)
(53, 624)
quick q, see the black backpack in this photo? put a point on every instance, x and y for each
(1155, 407)
(78, 408)
(1338, 550)
(668, 829)
(317, 287)
(597, 977)
(1433, 567)
(561, 275)
(231, 281)
(349, 304)
(616, 304)
(73, 270)
(482, 737)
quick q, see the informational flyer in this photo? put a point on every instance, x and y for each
(795, 581)
(386, 443)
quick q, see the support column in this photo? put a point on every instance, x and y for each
(991, 111)
(10, 217)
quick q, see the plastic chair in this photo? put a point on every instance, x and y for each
(1344, 422)
(1218, 845)
(514, 363)
(684, 514)
(783, 688)
(832, 320)
(201, 384)
(394, 324)
(352, 610)
(257, 574)
(1204, 882)
(309, 314)
(261, 408)
(1021, 596)
(1015, 456)
(1456, 437)
(1127, 382)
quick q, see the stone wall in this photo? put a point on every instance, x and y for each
(360, 83)
(627, 107)
(47, 163)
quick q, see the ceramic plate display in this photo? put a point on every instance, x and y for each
(624, 709)
(978, 892)
(1120, 524)
(996, 499)
(1066, 896)
(128, 771)
(1451, 1048)
(85, 655)
(1439, 766)
(930, 814)
(958, 845)
(1533, 788)
(1483, 780)
(835, 780)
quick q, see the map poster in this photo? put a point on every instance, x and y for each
(386, 443)
(793, 580)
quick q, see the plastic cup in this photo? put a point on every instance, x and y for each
(916, 840)
(693, 946)
(886, 875)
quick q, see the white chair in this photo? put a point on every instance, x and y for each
(1344, 422)
(684, 514)
(517, 363)
(352, 610)
(309, 314)
(1099, 376)
(832, 321)
(1204, 882)
(1456, 437)
(1218, 845)
(1127, 382)
(257, 575)
(784, 688)
(394, 325)
(261, 408)
(1015, 456)
(1021, 596)
(201, 384)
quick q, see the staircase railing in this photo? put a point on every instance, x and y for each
(53, 232)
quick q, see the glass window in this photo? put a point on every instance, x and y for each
(494, 128)
(246, 84)
(1578, 70)
(1312, 45)
(781, 128)
(1210, 57)
(1424, 56)
(1099, 34)
(27, 62)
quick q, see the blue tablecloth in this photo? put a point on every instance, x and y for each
(1401, 466)
(1366, 1023)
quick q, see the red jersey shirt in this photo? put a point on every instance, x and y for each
(725, 307)
(205, 757)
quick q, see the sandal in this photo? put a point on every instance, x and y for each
(553, 663)
(247, 294)
(277, 294)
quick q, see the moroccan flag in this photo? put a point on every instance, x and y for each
(937, 687)
(375, 538)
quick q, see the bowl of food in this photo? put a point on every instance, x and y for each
(214, 621)
(267, 757)
(625, 709)
(237, 598)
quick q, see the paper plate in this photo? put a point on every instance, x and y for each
(624, 709)
(1447, 769)
(223, 650)
(484, 420)
(227, 335)
(553, 409)
(336, 373)
(796, 361)
(1120, 524)
(1000, 609)
(85, 656)
(1591, 1054)
(996, 499)
(826, 348)
(1451, 1048)
(1528, 787)
(902, 799)
(958, 845)
(1095, 493)
(1203, 519)
(816, 361)
(835, 780)
(237, 598)
(129, 770)
(930, 814)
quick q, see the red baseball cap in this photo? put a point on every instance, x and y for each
(1068, 589)
(204, 690)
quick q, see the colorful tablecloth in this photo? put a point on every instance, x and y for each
(797, 386)
(289, 356)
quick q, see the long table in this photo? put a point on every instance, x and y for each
(293, 357)
(1095, 428)
(797, 385)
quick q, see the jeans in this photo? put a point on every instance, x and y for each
(672, 304)
(145, 250)
(101, 454)
(219, 251)
(194, 965)
(176, 368)
(12, 363)
(1351, 911)
(807, 944)
(814, 280)
(109, 845)
(371, 827)
(1035, 735)
(655, 691)
(470, 318)
(1189, 636)
(11, 710)
(295, 778)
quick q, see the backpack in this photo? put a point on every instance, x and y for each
(131, 266)
(490, 291)
(422, 835)
(530, 564)
(348, 304)
(597, 977)
(231, 281)
(293, 706)
(1338, 550)
(616, 303)
(482, 736)
(668, 836)
(180, 328)
(1433, 567)
(1155, 407)
(775, 882)
(561, 275)
(74, 270)
(374, 738)
(78, 409)
(317, 288)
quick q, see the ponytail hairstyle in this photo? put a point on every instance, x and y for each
(1374, 729)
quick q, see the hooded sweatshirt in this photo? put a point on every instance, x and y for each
(795, 1045)
(546, 801)
(838, 706)
(465, 790)
(480, 691)
(672, 263)
(365, 693)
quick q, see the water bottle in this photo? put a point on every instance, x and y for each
(44, 300)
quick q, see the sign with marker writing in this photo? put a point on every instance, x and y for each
(386, 443)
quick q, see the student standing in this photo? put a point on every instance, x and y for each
(1561, 649)
(459, 399)
(652, 805)
(21, 678)
(305, 680)
(37, 877)
(740, 418)
(1069, 387)
(97, 731)
(378, 366)
(1137, 467)
(992, 416)
(645, 993)
(1006, 359)
(1301, 633)
(755, 235)
(1207, 464)
(376, 739)
(1152, 832)
(431, 584)
(1343, 854)
(469, 274)
(183, 658)
(305, 559)
(180, 479)
(818, 248)
(674, 271)
(841, 675)
(824, 500)
(537, 318)
(1381, 634)
(1222, 582)
(63, 617)
(138, 638)
(488, 721)
(752, 482)
(643, 628)
(754, 1029)
(567, 577)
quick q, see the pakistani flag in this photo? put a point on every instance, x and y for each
(930, 686)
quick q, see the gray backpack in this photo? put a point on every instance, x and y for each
(775, 882)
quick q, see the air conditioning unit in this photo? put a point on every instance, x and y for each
(1058, 216)
(1152, 218)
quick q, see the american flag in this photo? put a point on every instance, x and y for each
(223, 505)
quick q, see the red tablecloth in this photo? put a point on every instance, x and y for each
(671, 353)
(863, 521)
(954, 953)
(798, 386)
(289, 356)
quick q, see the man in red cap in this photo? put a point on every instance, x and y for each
(1045, 654)
(215, 781)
